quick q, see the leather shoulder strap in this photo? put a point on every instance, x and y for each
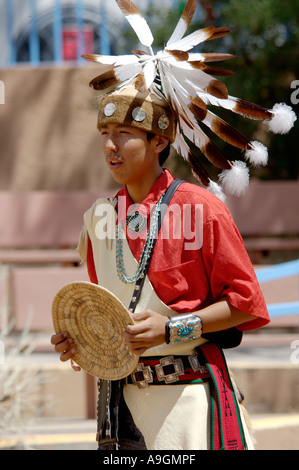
(166, 200)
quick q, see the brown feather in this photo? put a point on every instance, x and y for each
(91, 57)
(251, 110)
(199, 110)
(127, 7)
(140, 84)
(179, 55)
(228, 133)
(215, 156)
(139, 53)
(104, 81)
(189, 11)
(197, 64)
(217, 89)
(219, 33)
(198, 171)
(216, 56)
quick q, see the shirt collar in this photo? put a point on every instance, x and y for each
(158, 188)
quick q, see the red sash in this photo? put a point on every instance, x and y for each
(226, 426)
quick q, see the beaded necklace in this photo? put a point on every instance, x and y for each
(146, 251)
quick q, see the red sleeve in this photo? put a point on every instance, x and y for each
(90, 264)
(231, 273)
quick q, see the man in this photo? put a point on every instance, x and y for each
(213, 278)
(192, 289)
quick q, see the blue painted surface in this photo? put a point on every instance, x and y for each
(280, 271)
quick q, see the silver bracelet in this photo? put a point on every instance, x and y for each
(183, 328)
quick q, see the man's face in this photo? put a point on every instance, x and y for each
(129, 155)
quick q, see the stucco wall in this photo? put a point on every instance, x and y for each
(48, 135)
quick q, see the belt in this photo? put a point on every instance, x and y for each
(168, 370)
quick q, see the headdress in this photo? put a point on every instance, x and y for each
(187, 82)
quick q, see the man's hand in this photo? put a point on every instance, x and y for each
(64, 345)
(149, 331)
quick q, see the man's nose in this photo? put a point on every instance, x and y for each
(111, 143)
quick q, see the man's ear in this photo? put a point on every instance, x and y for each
(160, 143)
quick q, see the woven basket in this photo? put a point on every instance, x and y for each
(95, 319)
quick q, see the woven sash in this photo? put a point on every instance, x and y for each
(226, 426)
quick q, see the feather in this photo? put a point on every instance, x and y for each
(209, 57)
(257, 154)
(238, 106)
(206, 146)
(235, 181)
(146, 77)
(181, 56)
(137, 21)
(282, 119)
(115, 77)
(226, 132)
(193, 39)
(216, 189)
(198, 170)
(199, 79)
(111, 59)
(104, 81)
(210, 70)
(183, 23)
(219, 33)
(139, 53)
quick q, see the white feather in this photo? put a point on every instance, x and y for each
(235, 181)
(192, 40)
(196, 56)
(180, 145)
(216, 189)
(183, 23)
(258, 154)
(283, 119)
(112, 59)
(178, 33)
(127, 72)
(150, 72)
(141, 28)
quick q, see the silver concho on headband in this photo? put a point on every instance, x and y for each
(163, 122)
(109, 109)
(138, 114)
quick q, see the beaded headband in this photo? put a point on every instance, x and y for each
(143, 110)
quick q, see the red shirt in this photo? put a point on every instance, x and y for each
(199, 257)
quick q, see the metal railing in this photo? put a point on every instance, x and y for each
(23, 21)
(34, 10)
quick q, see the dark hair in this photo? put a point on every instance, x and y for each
(165, 152)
